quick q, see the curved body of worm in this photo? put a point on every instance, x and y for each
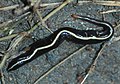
(55, 39)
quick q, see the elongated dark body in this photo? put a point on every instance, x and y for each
(55, 39)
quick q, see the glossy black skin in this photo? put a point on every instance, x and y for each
(64, 36)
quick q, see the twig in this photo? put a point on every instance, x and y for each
(92, 67)
(48, 5)
(42, 22)
(117, 27)
(50, 14)
(57, 9)
(108, 3)
(57, 65)
(16, 40)
(9, 7)
(40, 16)
(85, 78)
(13, 44)
(4, 24)
(109, 11)
(8, 37)
(116, 38)
(2, 78)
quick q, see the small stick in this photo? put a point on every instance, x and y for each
(2, 78)
(109, 11)
(42, 22)
(57, 9)
(92, 67)
(50, 14)
(116, 39)
(108, 3)
(8, 37)
(13, 44)
(85, 78)
(40, 16)
(14, 20)
(9, 7)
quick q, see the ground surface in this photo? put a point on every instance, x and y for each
(107, 70)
